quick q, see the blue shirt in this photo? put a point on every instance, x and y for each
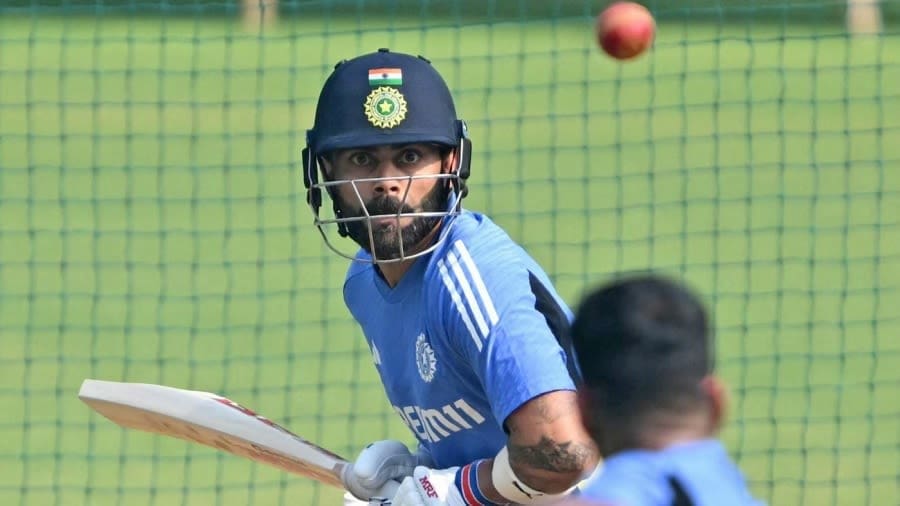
(702, 470)
(468, 335)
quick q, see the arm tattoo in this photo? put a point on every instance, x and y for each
(548, 455)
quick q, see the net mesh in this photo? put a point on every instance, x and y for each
(153, 225)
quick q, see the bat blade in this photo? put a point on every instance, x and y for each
(211, 420)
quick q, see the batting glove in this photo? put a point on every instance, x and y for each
(378, 469)
(441, 487)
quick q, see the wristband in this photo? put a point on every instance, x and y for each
(467, 483)
(515, 490)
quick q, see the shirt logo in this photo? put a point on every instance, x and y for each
(436, 423)
(385, 107)
(425, 360)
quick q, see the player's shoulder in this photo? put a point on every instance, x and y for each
(477, 261)
(631, 477)
(477, 236)
(361, 264)
(701, 468)
(477, 248)
(359, 272)
(477, 226)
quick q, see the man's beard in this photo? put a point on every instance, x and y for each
(387, 237)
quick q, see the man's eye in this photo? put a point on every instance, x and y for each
(410, 156)
(360, 159)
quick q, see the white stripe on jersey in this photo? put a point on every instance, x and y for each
(476, 278)
(470, 297)
(457, 300)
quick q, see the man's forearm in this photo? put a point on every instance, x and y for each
(552, 466)
(549, 467)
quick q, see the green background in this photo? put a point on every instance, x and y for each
(792, 11)
(154, 229)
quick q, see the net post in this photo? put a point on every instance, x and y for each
(258, 14)
(864, 17)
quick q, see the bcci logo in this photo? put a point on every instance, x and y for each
(385, 107)
(425, 360)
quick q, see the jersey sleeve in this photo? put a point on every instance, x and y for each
(489, 312)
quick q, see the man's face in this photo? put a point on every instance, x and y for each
(394, 191)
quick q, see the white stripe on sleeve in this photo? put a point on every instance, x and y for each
(477, 280)
(470, 297)
(460, 306)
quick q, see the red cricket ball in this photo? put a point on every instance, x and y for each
(625, 30)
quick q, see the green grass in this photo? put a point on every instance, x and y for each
(154, 229)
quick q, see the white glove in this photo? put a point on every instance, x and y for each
(378, 469)
(429, 487)
(349, 500)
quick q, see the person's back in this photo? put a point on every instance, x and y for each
(697, 473)
(650, 398)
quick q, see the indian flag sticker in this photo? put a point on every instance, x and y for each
(385, 77)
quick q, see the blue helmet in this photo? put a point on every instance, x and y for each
(382, 98)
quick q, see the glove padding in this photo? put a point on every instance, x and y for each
(373, 472)
(429, 487)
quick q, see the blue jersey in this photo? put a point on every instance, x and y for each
(470, 333)
(698, 474)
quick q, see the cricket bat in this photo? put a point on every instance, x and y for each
(215, 421)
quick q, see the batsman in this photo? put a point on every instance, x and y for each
(468, 334)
